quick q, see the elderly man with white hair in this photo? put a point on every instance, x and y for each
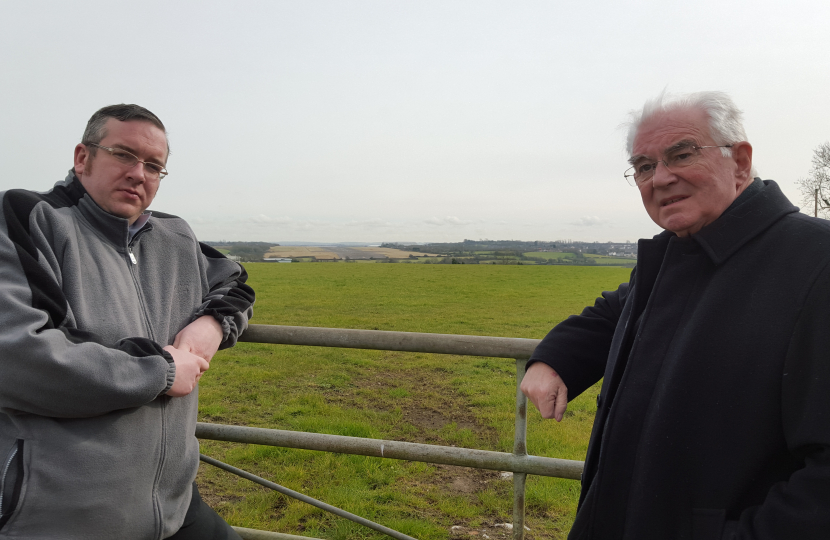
(713, 420)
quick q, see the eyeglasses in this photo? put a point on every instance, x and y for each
(153, 170)
(676, 158)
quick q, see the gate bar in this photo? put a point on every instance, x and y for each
(306, 499)
(445, 455)
(498, 347)
(256, 534)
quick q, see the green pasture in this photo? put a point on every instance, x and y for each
(549, 255)
(437, 399)
(605, 260)
(609, 260)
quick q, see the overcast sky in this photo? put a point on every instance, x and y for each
(405, 121)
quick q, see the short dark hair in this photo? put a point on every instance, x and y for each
(95, 129)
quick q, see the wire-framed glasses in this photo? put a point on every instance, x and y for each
(153, 170)
(675, 158)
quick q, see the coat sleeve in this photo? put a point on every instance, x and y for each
(230, 300)
(49, 369)
(577, 348)
(798, 508)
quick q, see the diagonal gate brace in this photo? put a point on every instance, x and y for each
(306, 499)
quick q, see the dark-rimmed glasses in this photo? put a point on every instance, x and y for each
(153, 170)
(676, 158)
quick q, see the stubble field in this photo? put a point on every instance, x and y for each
(438, 399)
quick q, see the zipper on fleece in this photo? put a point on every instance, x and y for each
(157, 481)
(138, 294)
(163, 400)
(14, 491)
(5, 473)
(132, 241)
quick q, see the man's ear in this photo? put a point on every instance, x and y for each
(82, 159)
(742, 156)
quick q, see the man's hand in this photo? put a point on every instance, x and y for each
(202, 337)
(189, 369)
(543, 386)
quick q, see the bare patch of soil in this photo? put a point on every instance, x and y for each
(463, 480)
(432, 419)
(494, 531)
(453, 481)
(427, 403)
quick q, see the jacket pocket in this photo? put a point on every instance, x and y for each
(707, 524)
(11, 482)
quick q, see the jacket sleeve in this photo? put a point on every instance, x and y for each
(798, 508)
(52, 370)
(577, 348)
(230, 300)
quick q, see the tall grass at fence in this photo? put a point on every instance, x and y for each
(437, 399)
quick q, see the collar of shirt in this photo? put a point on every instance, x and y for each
(139, 223)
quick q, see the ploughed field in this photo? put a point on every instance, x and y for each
(437, 399)
(339, 252)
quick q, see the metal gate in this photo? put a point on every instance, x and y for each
(519, 462)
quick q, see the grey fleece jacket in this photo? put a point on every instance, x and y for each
(90, 445)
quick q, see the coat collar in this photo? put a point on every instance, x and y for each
(760, 205)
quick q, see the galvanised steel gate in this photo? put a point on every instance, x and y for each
(519, 462)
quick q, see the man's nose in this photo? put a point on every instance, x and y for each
(136, 172)
(663, 176)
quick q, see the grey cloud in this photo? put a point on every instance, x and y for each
(375, 223)
(262, 219)
(590, 221)
(452, 221)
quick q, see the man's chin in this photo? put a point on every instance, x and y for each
(676, 223)
(129, 213)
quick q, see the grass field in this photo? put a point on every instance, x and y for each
(448, 400)
(607, 260)
(549, 255)
(604, 260)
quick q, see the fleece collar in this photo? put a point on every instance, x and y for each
(113, 228)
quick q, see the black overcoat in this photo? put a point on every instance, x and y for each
(714, 415)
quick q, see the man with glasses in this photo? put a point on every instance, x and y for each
(713, 420)
(110, 315)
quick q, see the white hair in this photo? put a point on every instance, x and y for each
(725, 118)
